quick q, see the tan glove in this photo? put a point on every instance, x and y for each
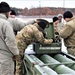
(48, 41)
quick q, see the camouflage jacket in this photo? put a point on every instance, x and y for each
(30, 34)
(68, 33)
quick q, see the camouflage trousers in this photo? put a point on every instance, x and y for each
(19, 63)
(71, 51)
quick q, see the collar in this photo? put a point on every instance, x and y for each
(72, 18)
(39, 28)
(2, 16)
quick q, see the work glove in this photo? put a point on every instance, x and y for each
(56, 33)
(54, 40)
(17, 58)
(48, 41)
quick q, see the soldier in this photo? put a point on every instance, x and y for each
(28, 35)
(16, 24)
(55, 23)
(61, 21)
(60, 16)
(68, 32)
(13, 13)
(56, 29)
(8, 48)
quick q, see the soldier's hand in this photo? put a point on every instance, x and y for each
(48, 41)
(17, 57)
(56, 33)
(53, 39)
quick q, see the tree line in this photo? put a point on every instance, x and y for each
(42, 11)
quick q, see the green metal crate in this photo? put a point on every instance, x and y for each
(52, 48)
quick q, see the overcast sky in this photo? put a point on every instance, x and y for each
(40, 3)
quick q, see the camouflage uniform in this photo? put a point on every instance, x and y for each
(56, 28)
(56, 31)
(68, 33)
(26, 36)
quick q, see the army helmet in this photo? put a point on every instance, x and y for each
(43, 20)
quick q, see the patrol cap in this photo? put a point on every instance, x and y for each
(55, 19)
(13, 12)
(67, 14)
(45, 21)
(4, 7)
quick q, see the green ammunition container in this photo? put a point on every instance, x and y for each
(55, 47)
(55, 65)
(48, 70)
(65, 60)
(31, 67)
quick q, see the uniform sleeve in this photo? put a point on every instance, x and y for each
(18, 25)
(30, 22)
(10, 40)
(66, 31)
(40, 38)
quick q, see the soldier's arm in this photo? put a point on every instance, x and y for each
(66, 31)
(40, 38)
(18, 25)
(30, 22)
